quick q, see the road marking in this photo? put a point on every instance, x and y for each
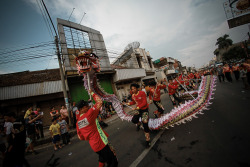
(145, 152)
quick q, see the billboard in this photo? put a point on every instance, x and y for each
(237, 12)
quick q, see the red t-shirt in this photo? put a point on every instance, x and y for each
(140, 99)
(156, 94)
(226, 69)
(172, 89)
(88, 127)
(191, 76)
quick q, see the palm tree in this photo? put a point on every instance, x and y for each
(224, 42)
(216, 52)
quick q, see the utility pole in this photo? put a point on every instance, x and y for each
(62, 78)
(60, 65)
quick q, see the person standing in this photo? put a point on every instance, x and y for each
(140, 99)
(39, 123)
(155, 97)
(247, 66)
(236, 71)
(227, 71)
(220, 73)
(64, 113)
(28, 112)
(54, 113)
(55, 133)
(88, 128)
(31, 131)
(73, 113)
(64, 128)
(16, 151)
(243, 75)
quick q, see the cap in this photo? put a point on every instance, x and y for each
(81, 104)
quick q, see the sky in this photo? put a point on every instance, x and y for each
(185, 30)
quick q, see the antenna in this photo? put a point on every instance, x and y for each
(82, 17)
(71, 13)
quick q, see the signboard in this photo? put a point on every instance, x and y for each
(237, 12)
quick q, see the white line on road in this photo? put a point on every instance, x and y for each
(145, 152)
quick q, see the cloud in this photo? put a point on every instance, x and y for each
(186, 30)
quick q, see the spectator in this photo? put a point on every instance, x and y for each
(15, 152)
(227, 71)
(220, 73)
(64, 129)
(7, 129)
(55, 133)
(243, 75)
(28, 112)
(54, 113)
(247, 65)
(64, 113)
(236, 71)
(73, 114)
(39, 123)
(31, 131)
(2, 142)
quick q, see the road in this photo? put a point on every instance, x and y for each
(220, 137)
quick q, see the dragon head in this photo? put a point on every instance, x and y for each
(86, 61)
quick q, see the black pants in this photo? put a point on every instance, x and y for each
(142, 114)
(108, 155)
(237, 75)
(159, 106)
(65, 138)
(40, 130)
(174, 98)
(248, 77)
(228, 76)
(221, 76)
(74, 120)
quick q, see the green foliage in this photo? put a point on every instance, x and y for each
(234, 54)
(224, 42)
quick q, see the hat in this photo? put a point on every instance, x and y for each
(81, 104)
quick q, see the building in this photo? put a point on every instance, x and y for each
(135, 66)
(74, 38)
(19, 91)
(168, 65)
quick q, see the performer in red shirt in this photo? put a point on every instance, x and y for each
(171, 91)
(236, 71)
(140, 99)
(155, 96)
(247, 65)
(227, 71)
(88, 128)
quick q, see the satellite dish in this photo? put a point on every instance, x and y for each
(133, 45)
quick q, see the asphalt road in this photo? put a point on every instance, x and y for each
(220, 137)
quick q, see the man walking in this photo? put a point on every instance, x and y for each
(220, 73)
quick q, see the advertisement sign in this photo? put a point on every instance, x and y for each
(237, 12)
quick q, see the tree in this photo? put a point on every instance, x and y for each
(234, 54)
(216, 52)
(224, 42)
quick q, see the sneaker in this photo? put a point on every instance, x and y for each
(148, 144)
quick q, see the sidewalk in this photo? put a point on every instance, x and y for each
(72, 132)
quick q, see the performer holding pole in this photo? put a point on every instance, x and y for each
(140, 99)
(88, 128)
(171, 91)
(155, 96)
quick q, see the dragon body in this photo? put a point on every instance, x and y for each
(181, 114)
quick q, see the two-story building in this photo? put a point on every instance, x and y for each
(137, 68)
